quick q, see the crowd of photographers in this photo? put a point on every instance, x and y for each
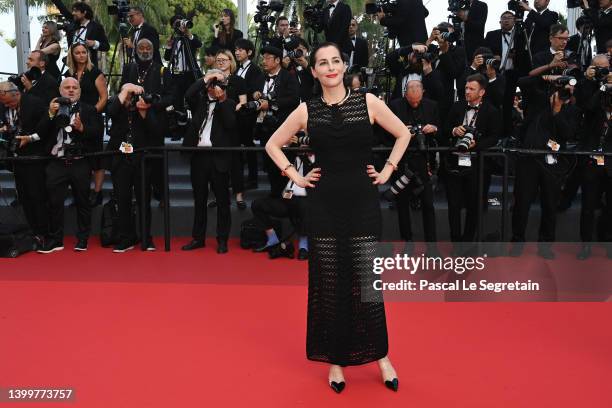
(527, 85)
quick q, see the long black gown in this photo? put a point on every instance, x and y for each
(344, 226)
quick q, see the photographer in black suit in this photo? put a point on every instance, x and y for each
(485, 64)
(421, 115)
(580, 43)
(141, 30)
(538, 24)
(473, 125)
(602, 22)
(46, 87)
(71, 129)
(415, 62)
(546, 128)
(87, 31)
(213, 124)
(277, 95)
(474, 19)
(360, 54)
(407, 21)
(336, 20)
(296, 62)
(23, 113)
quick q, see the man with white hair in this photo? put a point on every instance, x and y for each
(20, 114)
(70, 129)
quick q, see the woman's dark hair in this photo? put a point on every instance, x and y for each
(313, 59)
(225, 37)
(83, 8)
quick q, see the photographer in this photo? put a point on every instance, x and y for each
(337, 18)
(415, 63)
(252, 75)
(49, 43)
(580, 43)
(140, 31)
(136, 125)
(473, 125)
(69, 129)
(597, 171)
(20, 129)
(45, 87)
(282, 33)
(225, 33)
(538, 24)
(485, 64)
(421, 116)
(451, 63)
(360, 54)
(407, 21)
(213, 124)
(277, 95)
(602, 22)
(474, 19)
(181, 53)
(296, 62)
(87, 31)
(548, 128)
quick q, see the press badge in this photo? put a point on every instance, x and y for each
(554, 146)
(465, 160)
(126, 148)
(599, 160)
(287, 194)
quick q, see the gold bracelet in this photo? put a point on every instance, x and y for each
(394, 166)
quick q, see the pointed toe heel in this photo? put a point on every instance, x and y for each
(337, 386)
(392, 385)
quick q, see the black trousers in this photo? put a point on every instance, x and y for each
(127, 181)
(246, 123)
(418, 165)
(181, 83)
(77, 174)
(30, 181)
(533, 175)
(203, 172)
(264, 209)
(462, 191)
(595, 182)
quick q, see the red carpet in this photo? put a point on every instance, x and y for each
(197, 329)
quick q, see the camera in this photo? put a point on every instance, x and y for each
(385, 6)
(183, 24)
(262, 15)
(408, 179)
(33, 74)
(290, 44)
(63, 114)
(456, 5)
(215, 82)
(559, 86)
(119, 8)
(66, 25)
(515, 7)
(417, 131)
(176, 119)
(8, 142)
(147, 98)
(313, 15)
(471, 133)
(491, 61)
(448, 36)
(601, 73)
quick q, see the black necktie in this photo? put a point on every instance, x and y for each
(272, 77)
(473, 108)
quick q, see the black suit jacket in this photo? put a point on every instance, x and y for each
(488, 123)
(94, 32)
(158, 81)
(46, 88)
(408, 22)
(252, 79)
(538, 26)
(32, 112)
(602, 23)
(223, 132)
(574, 45)
(362, 54)
(474, 27)
(287, 90)
(216, 43)
(336, 27)
(93, 130)
(146, 132)
(194, 44)
(150, 33)
(425, 114)
(520, 59)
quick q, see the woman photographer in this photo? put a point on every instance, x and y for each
(49, 44)
(225, 33)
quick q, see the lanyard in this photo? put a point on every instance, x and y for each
(474, 117)
(242, 71)
(209, 115)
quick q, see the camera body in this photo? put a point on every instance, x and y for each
(490, 61)
(448, 36)
(8, 142)
(146, 97)
(119, 8)
(559, 85)
(601, 73)
(62, 118)
(417, 132)
(262, 15)
(464, 142)
(183, 24)
(33, 74)
(515, 7)
(454, 6)
(313, 15)
(385, 6)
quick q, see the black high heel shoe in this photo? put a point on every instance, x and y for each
(392, 385)
(337, 386)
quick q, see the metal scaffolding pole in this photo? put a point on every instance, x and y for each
(242, 17)
(22, 33)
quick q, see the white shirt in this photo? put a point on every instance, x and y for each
(299, 166)
(242, 71)
(137, 34)
(206, 127)
(81, 33)
(58, 149)
(353, 40)
(331, 9)
(507, 41)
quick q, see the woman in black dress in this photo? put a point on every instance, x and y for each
(344, 219)
(225, 33)
(94, 93)
(49, 44)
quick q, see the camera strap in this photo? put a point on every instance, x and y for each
(208, 117)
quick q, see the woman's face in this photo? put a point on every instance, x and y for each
(225, 18)
(45, 30)
(329, 67)
(79, 54)
(222, 62)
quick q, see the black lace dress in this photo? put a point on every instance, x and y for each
(344, 226)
